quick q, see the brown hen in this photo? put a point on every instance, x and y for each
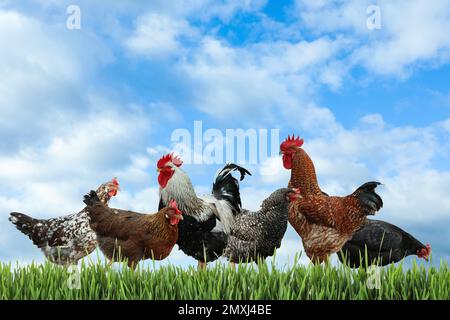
(324, 223)
(126, 235)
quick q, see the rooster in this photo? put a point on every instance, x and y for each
(68, 239)
(130, 235)
(256, 235)
(323, 222)
(385, 244)
(203, 234)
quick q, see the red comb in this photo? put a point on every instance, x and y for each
(173, 205)
(291, 142)
(169, 158)
(115, 181)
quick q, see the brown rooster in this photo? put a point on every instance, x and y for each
(133, 236)
(324, 223)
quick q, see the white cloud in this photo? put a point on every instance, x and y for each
(51, 181)
(272, 77)
(412, 34)
(86, 146)
(416, 33)
(419, 196)
(43, 79)
(158, 35)
(145, 200)
(205, 10)
(161, 31)
(446, 125)
(272, 170)
(329, 16)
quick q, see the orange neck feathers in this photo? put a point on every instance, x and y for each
(303, 175)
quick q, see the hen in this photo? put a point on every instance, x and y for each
(203, 234)
(133, 236)
(385, 244)
(64, 240)
(323, 222)
(256, 235)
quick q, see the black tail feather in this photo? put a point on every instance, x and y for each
(369, 198)
(33, 228)
(226, 187)
(91, 198)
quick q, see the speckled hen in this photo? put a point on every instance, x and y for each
(256, 235)
(323, 222)
(67, 239)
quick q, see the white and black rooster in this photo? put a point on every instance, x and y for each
(203, 234)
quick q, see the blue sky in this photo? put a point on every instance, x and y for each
(78, 107)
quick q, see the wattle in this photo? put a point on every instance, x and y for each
(174, 221)
(112, 193)
(287, 161)
(163, 179)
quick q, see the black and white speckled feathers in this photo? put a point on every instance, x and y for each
(67, 239)
(256, 235)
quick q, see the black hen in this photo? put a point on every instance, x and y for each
(385, 244)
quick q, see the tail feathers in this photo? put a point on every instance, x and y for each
(35, 229)
(369, 199)
(91, 198)
(226, 187)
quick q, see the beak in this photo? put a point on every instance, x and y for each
(180, 216)
(158, 170)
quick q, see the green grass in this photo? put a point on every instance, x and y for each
(98, 281)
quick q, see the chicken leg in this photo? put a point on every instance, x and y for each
(201, 265)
